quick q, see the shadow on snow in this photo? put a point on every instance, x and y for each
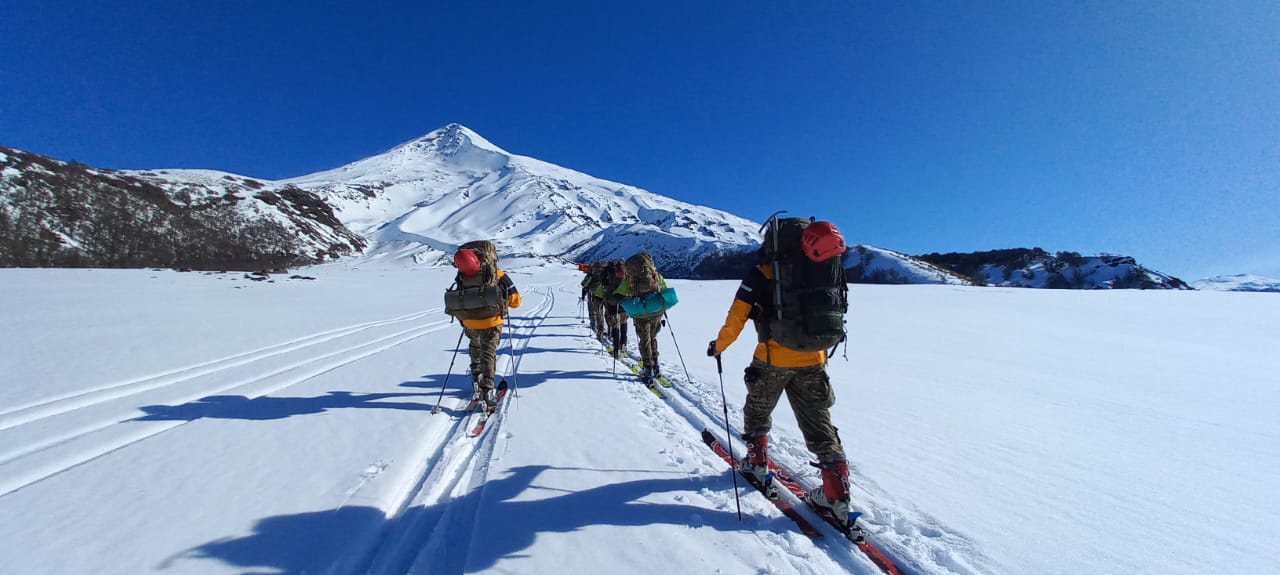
(353, 539)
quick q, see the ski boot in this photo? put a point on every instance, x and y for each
(756, 463)
(834, 493)
(483, 393)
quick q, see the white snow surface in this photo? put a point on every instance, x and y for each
(165, 422)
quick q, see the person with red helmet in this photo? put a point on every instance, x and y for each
(479, 298)
(799, 259)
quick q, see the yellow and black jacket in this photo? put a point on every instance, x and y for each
(748, 304)
(513, 301)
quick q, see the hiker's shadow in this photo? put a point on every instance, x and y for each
(458, 386)
(267, 407)
(345, 539)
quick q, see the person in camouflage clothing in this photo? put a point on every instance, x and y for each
(485, 333)
(590, 284)
(774, 369)
(642, 278)
(615, 319)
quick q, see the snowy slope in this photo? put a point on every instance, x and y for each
(1238, 282)
(203, 423)
(869, 264)
(64, 215)
(1089, 272)
(428, 195)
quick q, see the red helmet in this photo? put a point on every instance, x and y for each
(467, 262)
(822, 241)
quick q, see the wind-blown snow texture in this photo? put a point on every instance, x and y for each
(203, 423)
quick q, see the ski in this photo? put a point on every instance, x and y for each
(648, 384)
(485, 414)
(851, 530)
(805, 526)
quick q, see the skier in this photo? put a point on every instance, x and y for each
(590, 284)
(615, 319)
(642, 279)
(479, 298)
(791, 356)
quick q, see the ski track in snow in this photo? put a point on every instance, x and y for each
(49, 407)
(917, 543)
(454, 465)
(52, 436)
(430, 519)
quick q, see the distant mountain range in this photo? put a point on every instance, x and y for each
(422, 199)
(1239, 282)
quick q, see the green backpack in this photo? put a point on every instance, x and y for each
(805, 310)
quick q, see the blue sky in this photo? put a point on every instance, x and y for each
(1150, 129)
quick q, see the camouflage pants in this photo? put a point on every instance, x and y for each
(484, 355)
(597, 316)
(809, 391)
(647, 329)
(616, 321)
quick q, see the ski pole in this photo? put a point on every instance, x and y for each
(728, 435)
(511, 349)
(677, 342)
(456, 347)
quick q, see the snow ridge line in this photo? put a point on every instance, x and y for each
(18, 415)
(49, 462)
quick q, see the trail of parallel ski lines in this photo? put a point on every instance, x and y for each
(430, 520)
(49, 407)
(58, 453)
(529, 326)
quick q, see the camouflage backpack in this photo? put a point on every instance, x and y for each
(477, 296)
(642, 273)
(805, 310)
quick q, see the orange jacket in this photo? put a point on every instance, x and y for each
(746, 305)
(513, 301)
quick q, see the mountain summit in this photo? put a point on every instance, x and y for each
(428, 195)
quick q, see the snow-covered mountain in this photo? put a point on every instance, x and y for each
(55, 213)
(870, 264)
(1037, 268)
(429, 195)
(1238, 282)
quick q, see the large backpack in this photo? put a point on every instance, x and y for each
(648, 297)
(642, 273)
(477, 296)
(805, 309)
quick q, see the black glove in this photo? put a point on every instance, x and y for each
(711, 349)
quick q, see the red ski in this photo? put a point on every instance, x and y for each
(851, 530)
(501, 392)
(782, 504)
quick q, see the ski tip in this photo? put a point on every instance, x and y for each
(707, 436)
